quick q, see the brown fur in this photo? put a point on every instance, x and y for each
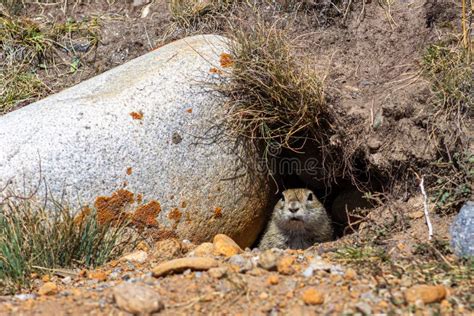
(298, 221)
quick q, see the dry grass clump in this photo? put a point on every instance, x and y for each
(273, 96)
(35, 239)
(30, 49)
(18, 87)
(192, 13)
(12, 7)
(450, 72)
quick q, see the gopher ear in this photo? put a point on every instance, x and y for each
(310, 196)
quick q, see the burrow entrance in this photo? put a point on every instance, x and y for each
(347, 200)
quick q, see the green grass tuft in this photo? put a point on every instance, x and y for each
(361, 254)
(19, 87)
(33, 238)
(34, 52)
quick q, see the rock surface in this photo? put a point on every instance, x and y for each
(225, 246)
(137, 299)
(138, 256)
(49, 288)
(312, 296)
(462, 231)
(182, 264)
(426, 293)
(151, 126)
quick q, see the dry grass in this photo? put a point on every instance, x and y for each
(34, 239)
(272, 95)
(450, 71)
(33, 52)
(192, 13)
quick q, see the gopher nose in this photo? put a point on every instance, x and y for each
(293, 209)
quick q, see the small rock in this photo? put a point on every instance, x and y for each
(312, 296)
(168, 249)
(416, 214)
(97, 275)
(225, 246)
(364, 308)
(239, 261)
(462, 231)
(426, 293)
(285, 265)
(138, 3)
(218, 273)
(49, 288)
(374, 144)
(445, 306)
(273, 280)
(67, 280)
(263, 296)
(319, 264)
(308, 272)
(267, 260)
(182, 264)
(350, 274)
(24, 297)
(205, 249)
(137, 299)
(139, 256)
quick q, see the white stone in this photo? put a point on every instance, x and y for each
(138, 256)
(79, 143)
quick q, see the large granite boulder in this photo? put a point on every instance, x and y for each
(462, 231)
(151, 126)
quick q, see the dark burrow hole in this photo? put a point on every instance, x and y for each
(347, 201)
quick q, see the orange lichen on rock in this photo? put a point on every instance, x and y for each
(82, 215)
(218, 212)
(190, 110)
(226, 60)
(145, 215)
(137, 115)
(175, 215)
(163, 234)
(214, 70)
(129, 171)
(111, 208)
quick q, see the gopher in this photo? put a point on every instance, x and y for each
(298, 221)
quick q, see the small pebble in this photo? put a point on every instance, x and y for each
(426, 293)
(313, 296)
(218, 273)
(137, 299)
(24, 297)
(273, 280)
(49, 288)
(243, 264)
(67, 280)
(285, 265)
(224, 245)
(267, 260)
(364, 308)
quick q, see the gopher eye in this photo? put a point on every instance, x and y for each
(310, 196)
